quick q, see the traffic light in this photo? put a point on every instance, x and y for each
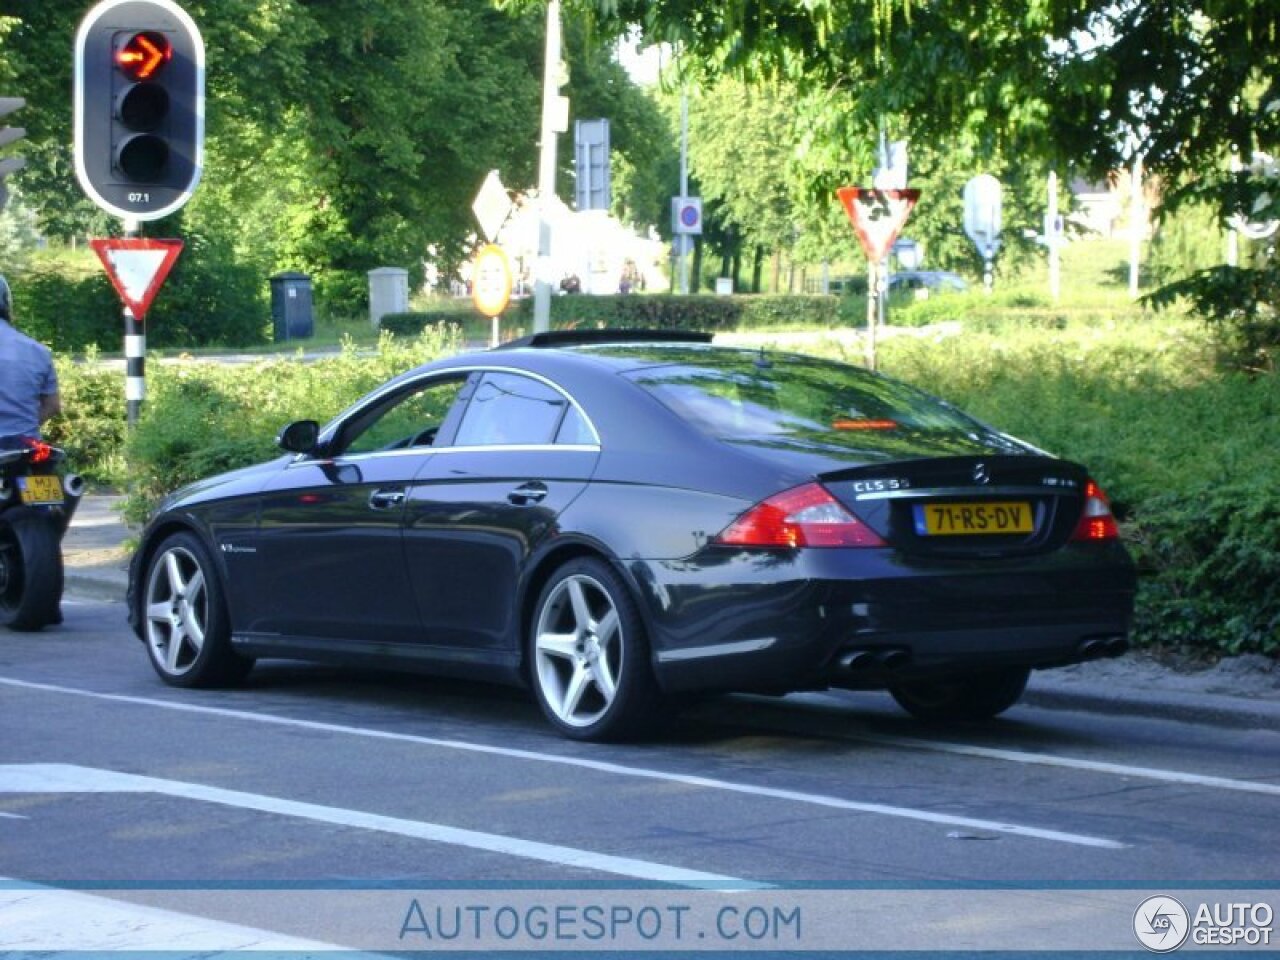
(139, 107)
(9, 135)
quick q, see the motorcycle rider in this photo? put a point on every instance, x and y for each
(28, 383)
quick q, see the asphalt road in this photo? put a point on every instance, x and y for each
(312, 776)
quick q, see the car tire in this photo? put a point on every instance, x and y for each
(30, 570)
(975, 697)
(184, 617)
(589, 656)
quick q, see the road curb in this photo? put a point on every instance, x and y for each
(1240, 713)
(78, 585)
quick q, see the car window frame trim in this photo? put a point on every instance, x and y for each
(335, 426)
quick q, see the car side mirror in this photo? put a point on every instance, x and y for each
(301, 436)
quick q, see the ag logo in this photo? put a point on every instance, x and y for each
(1161, 924)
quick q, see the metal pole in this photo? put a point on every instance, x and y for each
(873, 310)
(1051, 237)
(1136, 217)
(547, 170)
(135, 353)
(684, 188)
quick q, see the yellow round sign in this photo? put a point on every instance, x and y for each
(491, 280)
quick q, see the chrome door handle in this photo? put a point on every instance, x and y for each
(532, 492)
(386, 499)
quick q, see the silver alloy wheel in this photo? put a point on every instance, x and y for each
(578, 645)
(177, 611)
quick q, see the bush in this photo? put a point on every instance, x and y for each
(209, 298)
(414, 323)
(669, 312)
(92, 425)
(68, 305)
(1211, 567)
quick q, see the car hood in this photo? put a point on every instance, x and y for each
(225, 486)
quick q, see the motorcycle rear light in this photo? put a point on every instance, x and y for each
(40, 451)
(1096, 520)
(806, 516)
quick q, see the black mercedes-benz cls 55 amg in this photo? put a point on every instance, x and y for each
(613, 518)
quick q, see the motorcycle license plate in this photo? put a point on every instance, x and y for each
(40, 490)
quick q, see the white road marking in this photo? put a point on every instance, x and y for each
(1052, 760)
(1074, 763)
(67, 778)
(709, 783)
(42, 919)
(13, 816)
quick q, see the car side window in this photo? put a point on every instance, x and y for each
(575, 429)
(411, 418)
(507, 408)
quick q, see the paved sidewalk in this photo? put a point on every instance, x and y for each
(1241, 692)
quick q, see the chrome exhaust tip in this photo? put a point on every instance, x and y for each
(73, 485)
(858, 660)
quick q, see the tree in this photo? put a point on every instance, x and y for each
(1076, 84)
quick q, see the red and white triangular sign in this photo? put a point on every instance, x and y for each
(877, 216)
(137, 267)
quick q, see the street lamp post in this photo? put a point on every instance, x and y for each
(552, 109)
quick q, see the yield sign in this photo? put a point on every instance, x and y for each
(877, 216)
(137, 267)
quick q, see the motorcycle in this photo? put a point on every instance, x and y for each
(37, 501)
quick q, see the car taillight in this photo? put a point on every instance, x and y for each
(40, 451)
(1096, 521)
(806, 516)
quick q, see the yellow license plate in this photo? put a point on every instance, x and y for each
(40, 489)
(973, 519)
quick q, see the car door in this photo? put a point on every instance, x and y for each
(331, 557)
(522, 452)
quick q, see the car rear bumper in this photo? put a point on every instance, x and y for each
(756, 620)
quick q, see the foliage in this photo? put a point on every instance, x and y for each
(67, 304)
(210, 298)
(1242, 303)
(91, 427)
(414, 322)
(1076, 85)
(664, 312)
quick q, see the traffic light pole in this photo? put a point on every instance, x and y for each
(135, 352)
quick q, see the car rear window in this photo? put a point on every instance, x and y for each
(756, 396)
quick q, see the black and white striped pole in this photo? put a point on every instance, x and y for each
(135, 352)
(137, 267)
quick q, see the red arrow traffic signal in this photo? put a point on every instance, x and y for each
(143, 54)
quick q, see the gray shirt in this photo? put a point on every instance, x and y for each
(26, 375)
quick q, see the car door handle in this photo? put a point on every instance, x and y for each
(532, 492)
(386, 499)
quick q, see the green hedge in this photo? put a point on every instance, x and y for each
(414, 322)
(651, 312)
(208, 299)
